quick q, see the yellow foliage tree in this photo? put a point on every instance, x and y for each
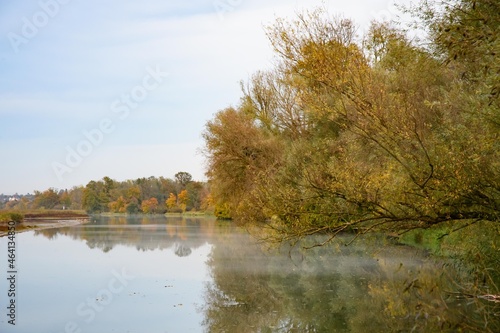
(183, 198)
(118, 206)
(171, 202)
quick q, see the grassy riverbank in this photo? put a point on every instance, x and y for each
(477, 240)
(475, 251)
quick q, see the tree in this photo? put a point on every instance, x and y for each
(167, 186)
(118, 206)
(182, 200)
(183, 178)
(238, 154)
(465, 33)
(120, 197)
(95, 199)
(149, 206)
(171, 202)
(65, 199)
(47, 199)
(376, 135)
(76, 197)
(207, 203)
(132, 207)
(134, 192)
(196, 192)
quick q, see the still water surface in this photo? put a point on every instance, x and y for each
(171, 274)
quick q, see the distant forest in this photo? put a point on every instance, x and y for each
(142, 195)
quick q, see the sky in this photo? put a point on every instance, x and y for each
(123, 88)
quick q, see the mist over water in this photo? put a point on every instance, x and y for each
(173, 274)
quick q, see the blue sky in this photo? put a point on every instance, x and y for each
(123, 88)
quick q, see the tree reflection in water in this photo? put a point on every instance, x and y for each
(372, 286)
(181, 235)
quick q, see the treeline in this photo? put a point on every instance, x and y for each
(383, 131)
(143, 195)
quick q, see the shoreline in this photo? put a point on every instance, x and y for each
(42, 223)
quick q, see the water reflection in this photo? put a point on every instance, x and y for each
(374, 285)
(145, 233)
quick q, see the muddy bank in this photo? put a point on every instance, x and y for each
(60, 215)
(42, 220)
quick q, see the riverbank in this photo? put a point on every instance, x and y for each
(473, 248)
(38, 220)
(186, 214)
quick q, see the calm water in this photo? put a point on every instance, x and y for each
(160, 275)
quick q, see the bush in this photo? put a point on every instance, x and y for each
(7, 217)
(132, 208)
(175, 210)
(16, 217)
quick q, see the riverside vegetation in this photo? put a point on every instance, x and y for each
(152, 195)
(385, 132)
(347, 135)
(381, 133)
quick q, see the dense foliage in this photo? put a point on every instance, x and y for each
(142, 195)
(386, 132)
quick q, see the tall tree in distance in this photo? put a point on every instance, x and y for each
(183, 178)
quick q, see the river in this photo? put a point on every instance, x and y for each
(170, 274)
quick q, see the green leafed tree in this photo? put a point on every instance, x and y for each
(47, 199)
(183, 178)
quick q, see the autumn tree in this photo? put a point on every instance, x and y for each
(47, 199)
(238, 154)
(207, 203)
(348, 135)
(182, 200)
(76, 197)
(65, 199)
(149, 206)
(133, 192)
(118, 206)
(171, 202)
(119, 196)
